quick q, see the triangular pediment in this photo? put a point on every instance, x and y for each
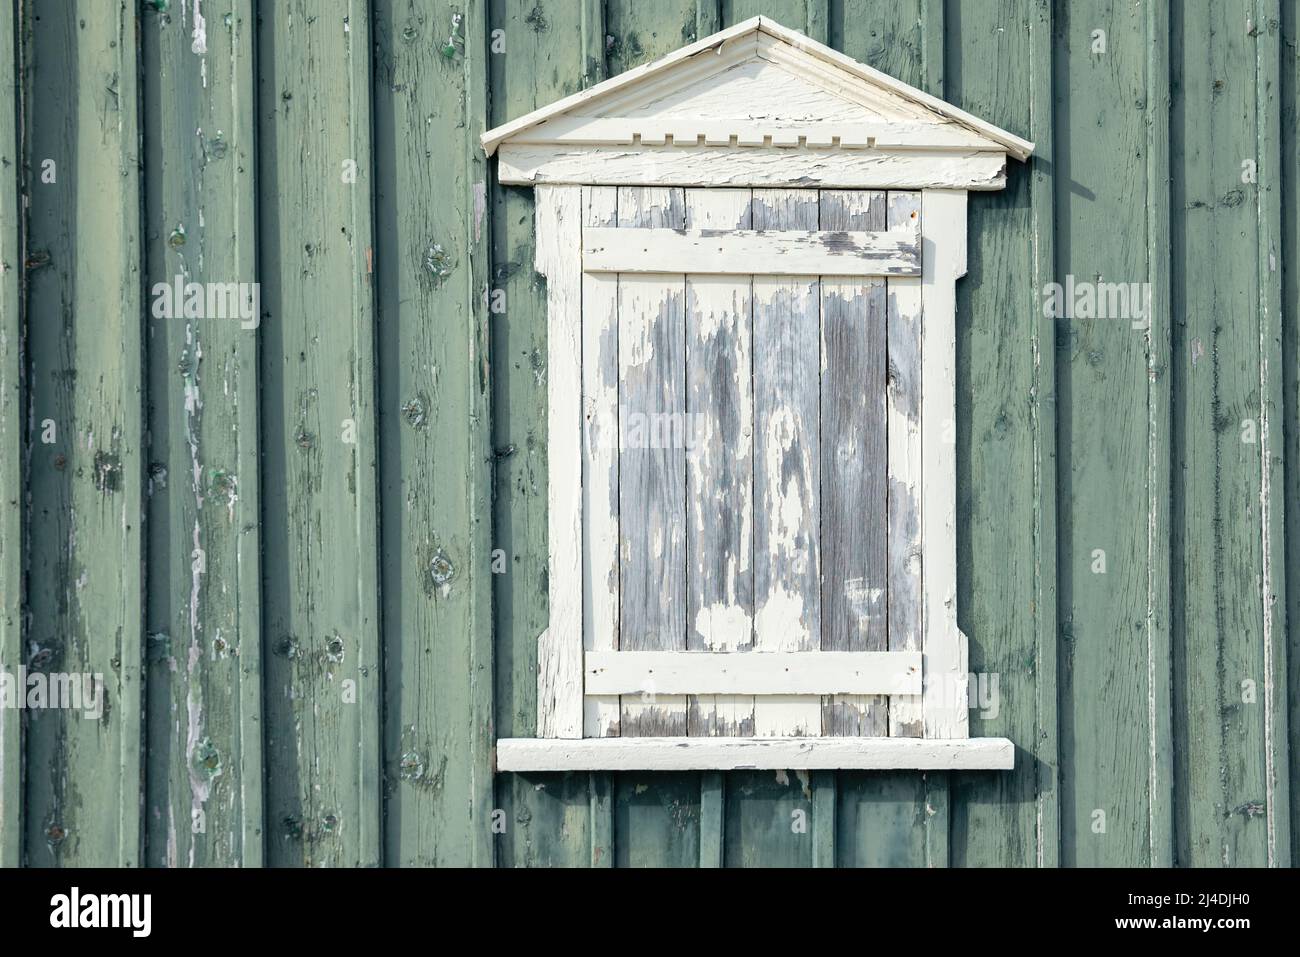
(757, 84)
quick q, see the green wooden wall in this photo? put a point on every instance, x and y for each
(276, 544)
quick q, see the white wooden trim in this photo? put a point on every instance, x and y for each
(906, 481)
(600, 578)
(763, 754)
(525, 164)
(786, 252)
(705, 131)
(559, 648)
(943, 218)
(758, 673)
(846, 70)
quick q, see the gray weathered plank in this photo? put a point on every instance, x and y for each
(320, 523)
(652, 462)
(905, 478)
(854, 466)
(600, 414)
(84, 318)
(787, 463)
(203, 795)
(719, 464)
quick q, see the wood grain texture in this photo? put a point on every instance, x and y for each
(12, 336)
(86, 594)
(600, 413)
(320, 520)
(854, 464)
(1139, 431)
(749, 252)
(787, 463)
(944, 699)
(204, 794)
(720, 464)
(1005, 455)
(652, 462)
(1104, 665)
(821, 672)
(700, 165)
(906, 482)
(546, 57)
(559, 647)
(662, 753)
(1224, 592)
(433, 227)
(1289, 175)
(884, 818)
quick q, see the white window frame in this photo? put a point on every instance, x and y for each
(560, 153)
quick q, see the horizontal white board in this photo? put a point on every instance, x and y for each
(792, 252)
(526, 163)
(757, 673)
(763, 754)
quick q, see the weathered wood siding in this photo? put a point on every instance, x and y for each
(278, 544)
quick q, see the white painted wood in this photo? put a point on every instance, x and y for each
(759, 673)
(854, 579)
(559, 648)
(600, 575)
(764, 754)
(525, 164)
(702, 129)
(903, 414)
(720, 465)
(787, 472)
(652, 464)
(788, 252)
(760, 37)
(943, 215)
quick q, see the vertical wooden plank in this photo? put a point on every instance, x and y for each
(825, 791)
(86, 599)
(771, 819)
(712, 818)
(657, 819)
(541, 57)
(885, 34)
(993, 54)
(944, 646)
(809, 17)
(203, 796)
(719, 429)
(1269, 149)
(1162, 802)
(12, 338)
(1042, 232)
(601, 788)
(600, 413)
(559, 647)
(854, 467)
(1105, 664)
(430, 260)
(320, 439)
(652, 462)
(1289, 176)
(906, 483)
(1225, 592)
(640, 32)
(787, 463)
(881, 819)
